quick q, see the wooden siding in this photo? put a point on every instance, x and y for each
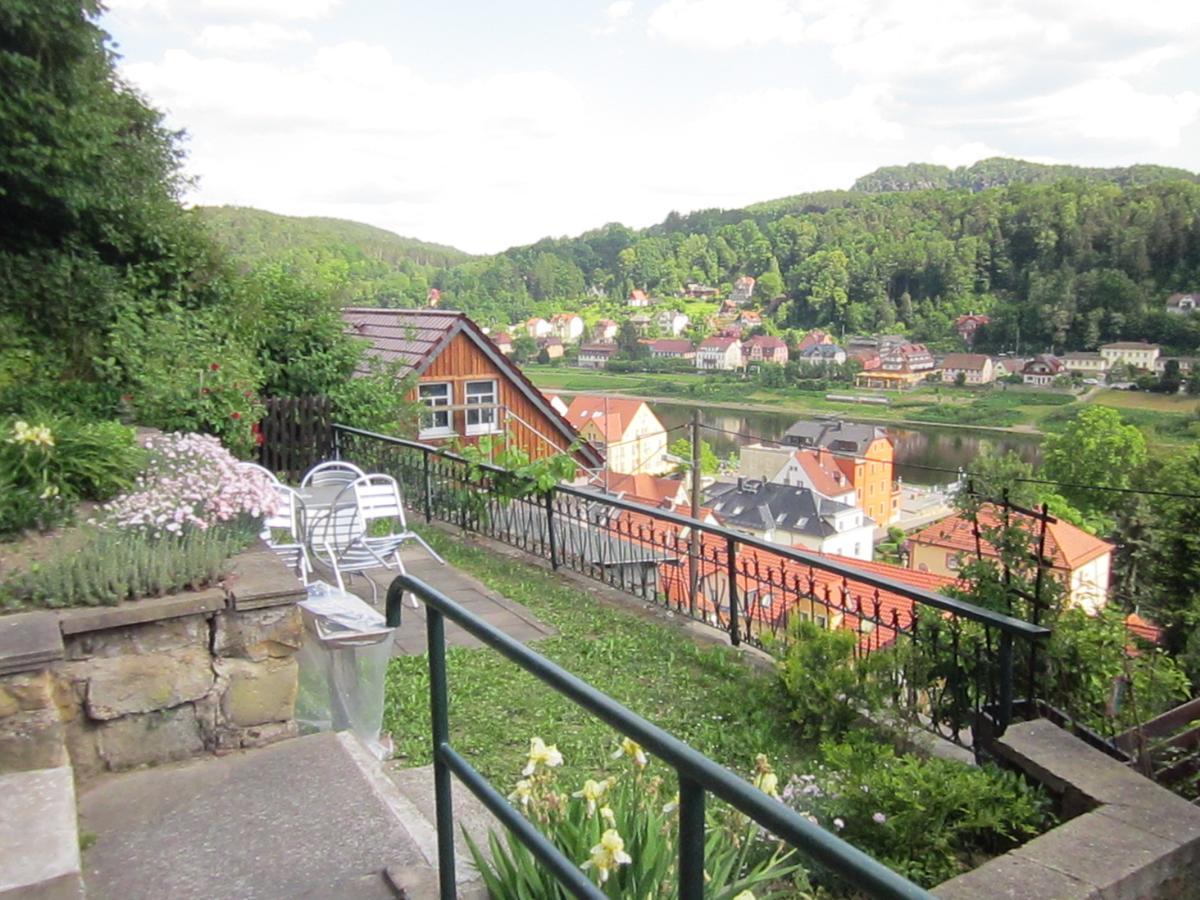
(462, 361)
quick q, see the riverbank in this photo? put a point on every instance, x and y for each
(1166, 421)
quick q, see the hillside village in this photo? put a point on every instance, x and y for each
(741, 332)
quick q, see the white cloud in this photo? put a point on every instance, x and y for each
(249, 9)
(621, 9)
(253, 37)
(963, 154)
(1111, 110)
(727, 24)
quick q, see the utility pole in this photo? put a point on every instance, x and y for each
(696, 544)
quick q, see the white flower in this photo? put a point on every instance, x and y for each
(541, 755)
(839, 823)
(607, 855)
(593, 792)
(879, 818)
(522, 792)
(632, 749)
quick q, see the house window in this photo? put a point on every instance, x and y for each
(436, 422)
(481, 393)
(952, 561)
(822, 621)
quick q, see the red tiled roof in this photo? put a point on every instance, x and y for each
(649, 489)
(822, 471)
(812, 339)
(667, 345)
(718, 343)
(1147, 631)
(972, 361)
(766, 342)
(611, 415)
(1067, 547)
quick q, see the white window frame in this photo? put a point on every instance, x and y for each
(430, 427)
(481, 421)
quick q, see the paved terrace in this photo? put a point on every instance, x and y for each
(511, 618)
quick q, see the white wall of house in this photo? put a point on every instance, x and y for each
(1089, 584)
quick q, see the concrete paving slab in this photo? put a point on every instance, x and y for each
(1005, 878)
(298, 818)
(39, 841)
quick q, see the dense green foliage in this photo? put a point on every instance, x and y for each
(1001, 172)
(374, 266)
(113, 298)
(50, 463)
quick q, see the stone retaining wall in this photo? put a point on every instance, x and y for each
(1130, 839)
(110, 688)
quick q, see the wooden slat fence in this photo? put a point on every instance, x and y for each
(297, 434)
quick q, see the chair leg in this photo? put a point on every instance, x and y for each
(412, 598)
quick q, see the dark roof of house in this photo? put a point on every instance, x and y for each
(764, 505)
(1129, 345)
(1176, 300)
(413, 338)
(834, 435)
(607, 349)
(822, 351)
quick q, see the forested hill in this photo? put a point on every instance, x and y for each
(259, 235)
(1063, 265)
(1000, 172)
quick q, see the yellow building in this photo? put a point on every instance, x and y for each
(624, 429)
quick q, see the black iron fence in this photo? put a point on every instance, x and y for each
(953, 667)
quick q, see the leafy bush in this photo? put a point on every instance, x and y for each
(928, 819)
(624, 835)
(46, 466)
(828, 689)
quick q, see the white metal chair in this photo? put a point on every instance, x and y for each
(341, 539)
(288, 517)
(333, 472)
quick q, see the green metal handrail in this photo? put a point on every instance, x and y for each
(697, 774)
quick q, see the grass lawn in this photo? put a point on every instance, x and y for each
(706, 696)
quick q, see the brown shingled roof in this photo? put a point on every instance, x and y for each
(1067, 547)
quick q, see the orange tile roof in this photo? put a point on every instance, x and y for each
(642, 488)
(821, 468)
(611, 415)
(1067, 547)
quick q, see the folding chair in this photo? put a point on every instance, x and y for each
(288, 517)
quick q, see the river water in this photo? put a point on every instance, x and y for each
(923, 452)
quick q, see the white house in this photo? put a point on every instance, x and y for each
(974, 367)
(1083, 362)
(814, 469)
(672, 322)
(604, 331)
(638, 299)
(719, 354)
(1183, 304)
(1138, 354)
(567, 327)
(538, 328)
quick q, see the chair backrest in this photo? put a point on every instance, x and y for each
(289, 512)
(339, 526)
(378, 497)
(334, 472)
(255, 467)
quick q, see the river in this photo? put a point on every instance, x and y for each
(922, 451)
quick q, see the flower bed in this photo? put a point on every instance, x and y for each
(187, 513)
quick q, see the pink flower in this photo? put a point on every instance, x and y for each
(879, 818)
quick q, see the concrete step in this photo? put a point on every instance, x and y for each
(39, 839)
(310, 817)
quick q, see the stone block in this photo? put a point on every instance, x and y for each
(25, 693)
(137, 612)
(32, 740)
(39, 836)
(254, 693)
(83, 737)
(186, 632)
(140, 683)
(28, 641)
(155, 737)
(259, 634)
(1007, 878)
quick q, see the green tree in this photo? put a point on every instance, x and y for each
(682, 448)
(1095, 450)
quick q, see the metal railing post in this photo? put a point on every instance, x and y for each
(1004, 715)
(428, 488)
(731, 554)
(691, 839)
(337, 443)
(440, 715)
(550, 528)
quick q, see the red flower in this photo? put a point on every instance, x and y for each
(235, 415)
(216, 367)
(248, 394)
(127, 397)
(256, 430)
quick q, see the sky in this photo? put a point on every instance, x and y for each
(488, 125)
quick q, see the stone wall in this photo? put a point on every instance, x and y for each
(111, 688)
(1129, 838)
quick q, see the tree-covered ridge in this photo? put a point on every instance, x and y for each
(998, 171)
(1066, 265)
(258, 235)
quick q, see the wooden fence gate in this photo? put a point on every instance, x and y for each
(297, 434)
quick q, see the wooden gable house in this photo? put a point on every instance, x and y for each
(469, 387)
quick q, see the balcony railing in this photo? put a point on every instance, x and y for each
(956, 666)
(698, 775)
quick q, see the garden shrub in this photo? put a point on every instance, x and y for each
(828, 688)
(47, 464)
(623, 830)
(929, 819)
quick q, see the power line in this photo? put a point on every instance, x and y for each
(960, 472)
